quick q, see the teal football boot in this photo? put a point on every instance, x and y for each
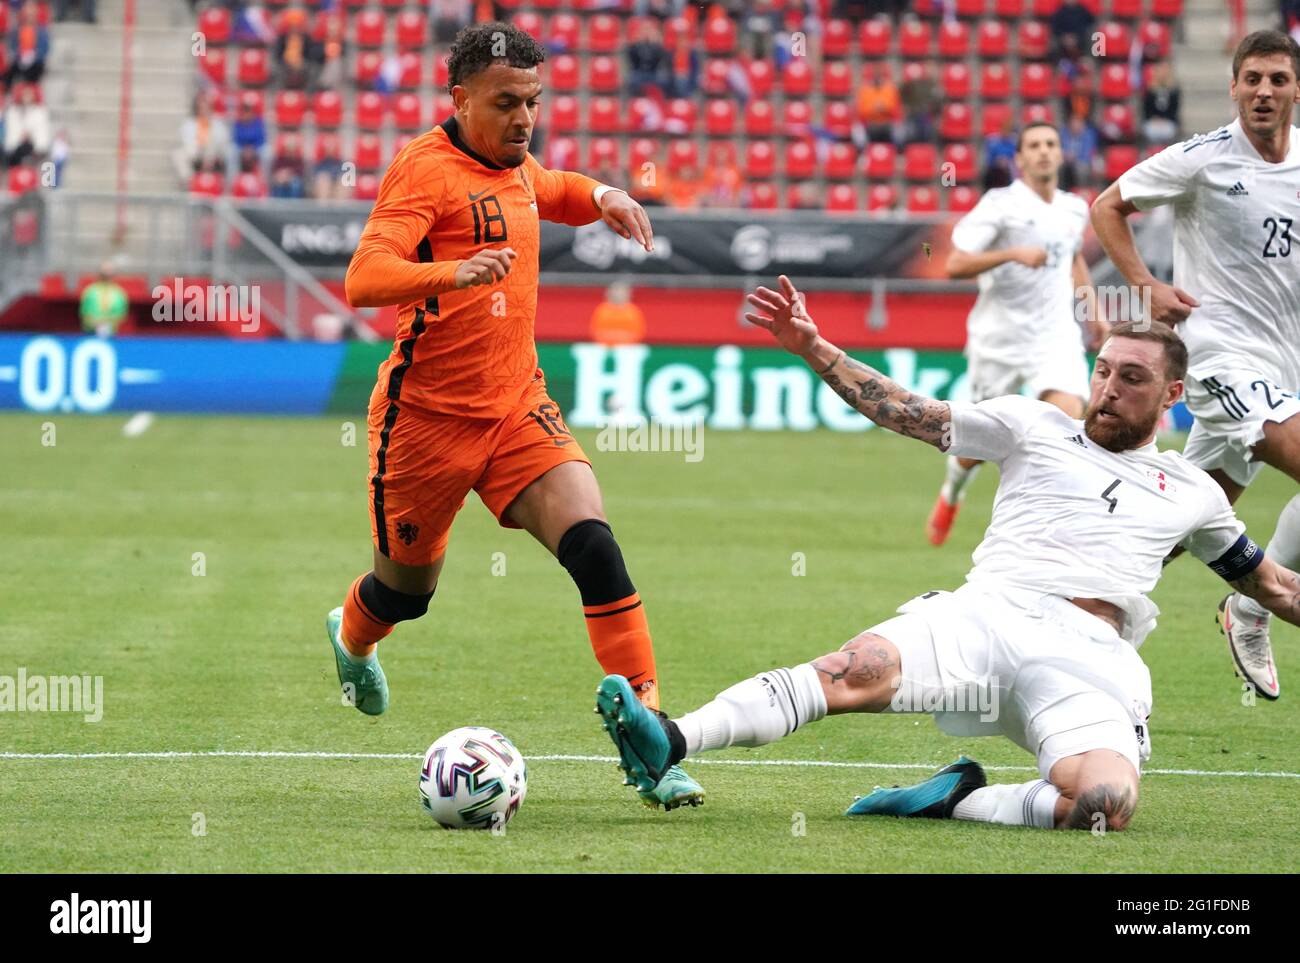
(935, 798)
(649, 747)
(363, 681)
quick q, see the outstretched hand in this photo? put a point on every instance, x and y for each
(785, 315)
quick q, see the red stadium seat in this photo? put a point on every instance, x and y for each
(882, 161)
(644, 115)
(760, 160)
(400, 141)
(1037, 114)
(367, 153)
(564, 114)
(716, 81)
(214, 24)
(254, 67)
(204, 183)
(1033, 40)
(720, 118)
(841, 197)
(841, 162)
(1009, 9)
(875, 37)
(680, 118)
(959, 162)
(993, 40)
(328, 147)
(837, 79)
(23, 180)
(564, 33)
(408, 112)
(759, 119)
(365, 70)
(762, 197)
(254, 101)
(602, 151)
(800, 160)
(604, 76)
(993, 117)
(1118, 159)
(443, 106)
(720, 35)
(604, 34)
(1118, 122)
(915, 39)
(1115, 82)
(956, 122)
(913, 70)
(919, 162)
(368, 29)
(249, 185)
(440, 73)
(722, 153)
(922, 200)
(1155, 34)
(409, 71)
(882, 197)
(1115, 41)
(954, 39)
(1126, 9)
(682, 154)
(971, 9)
(290, 109)
(1035, 82)
(761, 76)
(412, 30)
(370, 111)
(837, 118)
(955, 80)
(327, 110)
(529, 23)
(604, 115)
(797, 78)
(837, 38)
(962, 199)
(677, 31)
(214, 63)
(564, 73)
(797, 118)
(562, 153)
(1043, 9)
(1166, 9)
(641, 151)
(366, 189)
(995, 82)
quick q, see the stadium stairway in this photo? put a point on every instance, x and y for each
(1202, 67)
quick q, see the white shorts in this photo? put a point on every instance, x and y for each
(1064, 369)
(1231, 411)
(1037, 669)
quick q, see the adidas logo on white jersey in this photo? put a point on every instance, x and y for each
(1078, 440)
(1237, 190)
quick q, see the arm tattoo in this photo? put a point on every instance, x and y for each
(861, 661)
(886, 403)
(1280, 595)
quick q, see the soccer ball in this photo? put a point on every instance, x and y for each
(473, 778)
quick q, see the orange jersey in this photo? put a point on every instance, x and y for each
(471, 351)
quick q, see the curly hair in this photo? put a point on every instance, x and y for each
(481, 45)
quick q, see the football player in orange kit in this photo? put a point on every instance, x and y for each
(460, 404)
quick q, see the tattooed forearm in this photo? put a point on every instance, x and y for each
(884, 401)
(1274, 587)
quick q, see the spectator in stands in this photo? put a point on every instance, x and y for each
(249, 132)
(27, 127)
(327, 176)
(684, 188)
(721, 185)
(104, 304)
(289, 169)
(1072, 18)
(806, 197)
(297, 55)
(649, 70)
(1082, 96)
(449, 17)
(1160, 106)
(87, 9)
(1079, 149)
(1000, 156)
(333, 54)
(795, 38)
(608, 172)
(253, 26)
(59, 151)
(879, 106)
(1069, 65)
(648, 187)
(684, 71)
(758, 27)
(921, 98)
(617, 320)
(29, 45)
(205, 143)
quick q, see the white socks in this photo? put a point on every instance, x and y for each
(757, 711)
(1283, 548)
(1028, 804)
(956, 480)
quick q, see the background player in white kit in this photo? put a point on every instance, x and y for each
(1235, 298)
(1024, 242)
(1050, 617)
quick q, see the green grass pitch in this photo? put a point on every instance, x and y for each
(97, 576)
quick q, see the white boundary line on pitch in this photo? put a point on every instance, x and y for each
(813, 763)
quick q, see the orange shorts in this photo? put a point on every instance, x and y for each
(423, 465)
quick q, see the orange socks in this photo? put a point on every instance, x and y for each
(361, 630)
(620, 637)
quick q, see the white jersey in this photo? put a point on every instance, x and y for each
(1075, 520)
(1021, 311)
(1236, 220)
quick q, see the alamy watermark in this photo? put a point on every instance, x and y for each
(684, 435)
(969, 697)
(53, 693)
(211, 303)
